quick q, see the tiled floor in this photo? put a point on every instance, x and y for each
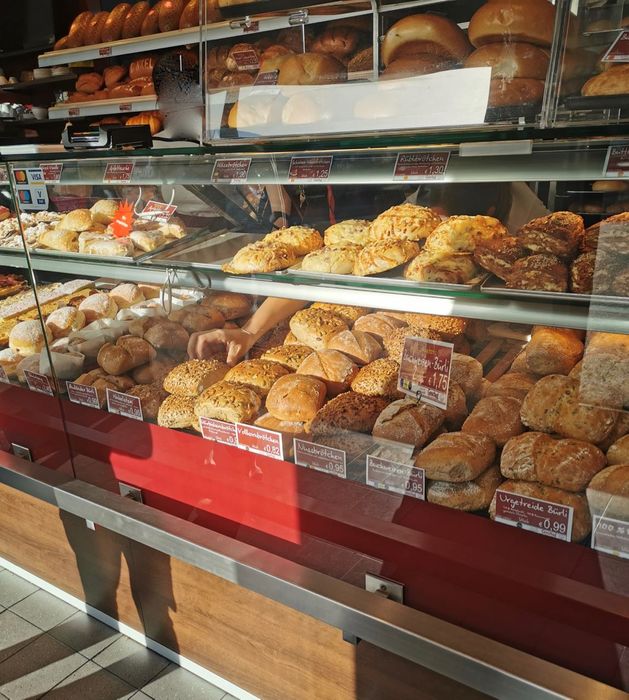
(49, 650)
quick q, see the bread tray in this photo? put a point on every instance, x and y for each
(496, 286)
(597, 102)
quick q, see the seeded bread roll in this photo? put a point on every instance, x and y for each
(514, 384)
(334, 368)
(497, 417)
(228, 401)
(581, 521)
(259, 375)
(151, 398)
(64, 321)
(193, 377)
(408, 421)
(296, 398)
(404, 221)
(553, 350)
(361, 347)
(289, 356)
(230, 305)
(98, 306)
(618, 453)
(466, 495)
(456, 457)
(29, 337)
(177, 412)
(379, 324)
(315, 327)
(349, 314)
(394, 342)
(378, 378)
(347, 412)
(347, 233)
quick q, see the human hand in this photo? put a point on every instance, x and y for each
(235, 341)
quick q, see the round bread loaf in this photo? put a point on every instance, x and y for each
(94, 29)
(347, 233)
(29, 337)
(420, 64)
(409, 422)
(466, 495)
(553, 350)
(228, 401)
(404, 221)
(348, 412)
(507, 21)
(259, 375)
(497, 417)
(296, 398)
(135, 17)
(618, 453)
(359, 346)
(177, 412)
(310, 69)
(378, 378)
(332, 367)
(289, 356)
(315, 327)
(515, 92)
(97, 306)
(170, 14)
(112, 29)
(168, 336)
(229, 304)
(424, 34)
(511, 60)
(457, 457)
(64, 321)
(193, 377)
(150, 25)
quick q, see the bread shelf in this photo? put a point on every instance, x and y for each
(102, 107)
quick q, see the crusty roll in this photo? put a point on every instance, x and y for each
(359, 346)
(177, 412)
(495, 416)
(65, 320)
(378, 378)
(112, 29)
(511, 60)
(456, 457)
(311, 69)
(350, 314)
(456, 409)
(467, 372)
(170, 14)
(581, 522)
(332, 367)
(259, 375)
(509, 21)
(553, 350)
(151, 398)
(424, 34)
(29, 338)
(168, 336)
(97, 306)
(315, 327)
(409, 422)
(465, 495)
(514, 384)
(565, 464)
(229, 304)
(228, 401)
(128, 352)
(197, 318)
(154, 372)
(618, 453)
(378, 324)
(296, 398)
(193, 377)
(614, 480)
(135, 17)
(290, 356)
(89, 83)
(347, 412)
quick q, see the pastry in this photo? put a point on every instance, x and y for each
(334, 368)
(404, 221)
(147, 241)
(59, 239)
(301, 239)
(314, 327)
(466, 495)
(384, 255)
(259, 375)
(65, 320)
(457, 457)
(461, 234)
(228, 401)
(435, 267)
(261, 257)
(97, 306)
(193, 377)
(350, 232)
(378, 378)
(104, 210)
(499, 254)
(332, 259)
(126, 295)
(29, 337)
(296, 398)
(557, 234)
(409, 422)
(613, 81)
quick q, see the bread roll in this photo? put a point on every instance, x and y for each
(359, 346)
(310, 69)
(230, 305)
(65, 320)
(334, 368)
(193, 377)
(553, 350)
(466, 495)
(456, 410)
(581, 522)
(151, 398)
(514, 384)
(347, 412)
(613, 81)
(315, 327)
(289, 356)
(497, 417)
(296, 398)
(177, 412)
(228, 401)
(614, 480)
(456, 457)
(378, 378)
(618, 453)
(349, 314)
(424, 34)
(420, 64)
(77, 220)
(29, 337)
(409, 422)
(259, 375)
(467, 372)
(97, 306)
(128, 352)
(289, 428)
(507, 21)
(153, 372)
(104, 210)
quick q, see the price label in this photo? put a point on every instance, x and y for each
(219, 431)
(83, 395)
(74, 112)
(124, 405)
(618, 52)
(158, 211)
(611, 536)
(233, 171)
(104, 51)
(430, 165)
(246, 59)
(268, 77)
(617, 162)
(38, 382)
(51, 171)
(309, 168)
(425, 370)
(3, 376)
(534, 514)
(125, 107)
(259, 440)
(396, 477)
(321, 458)
(251, 27)
(118, 173)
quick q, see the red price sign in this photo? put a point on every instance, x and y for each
(429, 165)
(425, 370)
(611, 536)
(83, 395)
(617, 162)
(396, 477)
(3, 376)
(124, 405)
(125, 107)
(259, 440)
(219, 431)
(51, 171)
(268, 77)
(251, 27)
(158, 211)
(118, 173)
(233, 171)
(74, 112)
(310, 168)
(38, 382)
(246, 60)
(534, 514)
(319, 457)
(104, 51)
(618, 52)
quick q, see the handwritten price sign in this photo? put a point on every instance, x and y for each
(124, 405)
(430, 165)
(534, 514)
(309, 168)
(617, 162)
(218, 431)
(233, 171)
(396, 477)
(259, 440)
(319, 457)
(425, 370)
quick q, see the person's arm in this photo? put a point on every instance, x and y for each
(238, 341)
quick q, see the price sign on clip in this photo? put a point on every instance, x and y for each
(83, 395)
(396, 477)
(218, 431)
(534, 514)
(618, 52)
(118, 173)
(268, 77)
(38, 382)
(611, 536)
(320, 457)
(309, 168)
(259, 440)
(617, 162)
(52, 171)
(158, 211)
(124, 405)
(425, 370)
(246, 59)
(429, 165)
(232, 171)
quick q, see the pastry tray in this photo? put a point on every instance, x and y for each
(210, 253)
(496, 286)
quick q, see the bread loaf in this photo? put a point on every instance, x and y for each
(177, 412)
(170, 14)
(467, 372)
(193, 377)
(289, 356)
(466, 495)
(408, 421)
(168, 337)
(230, 305)
(581, 521)
(456, 457)
(497, 417)
(456, 410)
(315, 327)
(112, 29)
(142, 67)
(514, 384)
(228, 401)
(618, 453)
(334, 368)
(76, 33)
(511, 60)
(378, 378)
(135, 17)
(150, 25)
(154, 372)
(296, 398)
(510, 21)
(94, 29)
(553, 350)
(347, 412)
(359, 346)
(378, 324)
(128, 352)
(310, 69)
(259, 375)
